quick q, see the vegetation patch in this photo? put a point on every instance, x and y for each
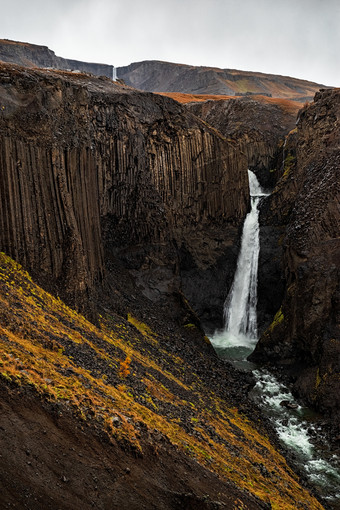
(121, 379)
(277, 320)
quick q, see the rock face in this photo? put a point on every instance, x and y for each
(304, 336)
(157, 76)
(96, 177)
(33, 55)
(258, 124)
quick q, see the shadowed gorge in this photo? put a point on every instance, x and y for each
(305, 208)
(122, 215)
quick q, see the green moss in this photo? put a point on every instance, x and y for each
(142, 328)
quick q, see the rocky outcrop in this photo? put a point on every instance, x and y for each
(96, 177)
(258, 124)
(275, 212)
(304, 336)
(33, 55)
(158, 76)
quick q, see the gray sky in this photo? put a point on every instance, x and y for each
(299, 38)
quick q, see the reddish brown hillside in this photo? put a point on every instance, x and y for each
(156, 76)
(287, 105)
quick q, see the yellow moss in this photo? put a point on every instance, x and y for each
(317, 378)
(142, 328)
(289, 162)
(277, 320)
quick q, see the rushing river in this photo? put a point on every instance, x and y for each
(297, 427)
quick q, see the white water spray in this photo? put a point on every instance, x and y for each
(240, 312)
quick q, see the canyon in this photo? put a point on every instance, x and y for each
(127, 207)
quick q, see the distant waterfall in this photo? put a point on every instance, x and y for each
(240, 322)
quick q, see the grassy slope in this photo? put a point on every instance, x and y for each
(119, 376)
(286, 104)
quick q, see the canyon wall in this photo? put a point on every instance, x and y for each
(258, 124)
(95, 177)
(305, 336)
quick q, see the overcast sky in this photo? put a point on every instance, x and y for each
(299, 38)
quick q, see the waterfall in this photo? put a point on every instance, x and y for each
(295, 427)
(240, 322)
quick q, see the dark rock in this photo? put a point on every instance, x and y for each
(288, 404)
(305, 332)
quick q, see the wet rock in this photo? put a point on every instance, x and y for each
(288, 404)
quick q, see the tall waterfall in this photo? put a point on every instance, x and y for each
(240, 323)
(294, 425)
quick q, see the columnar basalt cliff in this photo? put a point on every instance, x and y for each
(305, 335)
(33, 55)
(101, 185)
(93, 174)
(130, 207)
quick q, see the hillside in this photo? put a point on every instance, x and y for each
(120, 406)
(157, 76)
(33, 55)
